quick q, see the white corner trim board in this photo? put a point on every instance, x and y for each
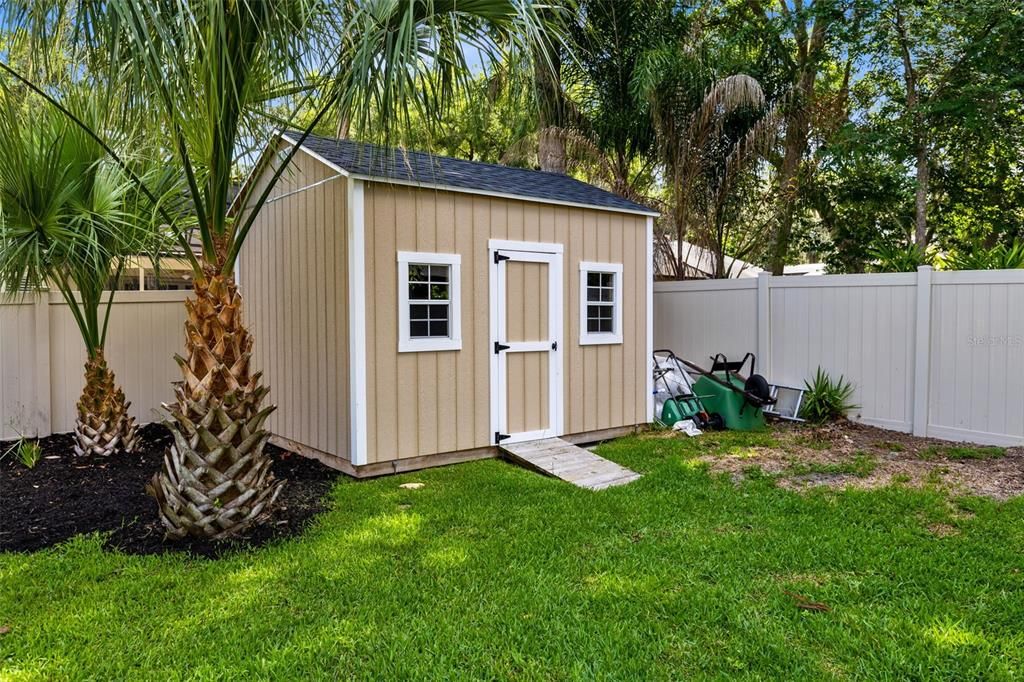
(406, 342)
(601, 338)
(357, 322)
(650, 316)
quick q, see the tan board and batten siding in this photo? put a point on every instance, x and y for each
(292, 273)
(438, 402)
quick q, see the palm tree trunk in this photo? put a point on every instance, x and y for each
(551, 150)
(103, 426)
(547, 67)
(216, 480)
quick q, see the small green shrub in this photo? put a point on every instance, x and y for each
(999, 257)
(29, 453)
(898, 258)
(25, 451)
(827, 399)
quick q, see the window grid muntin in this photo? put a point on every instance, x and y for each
(601, 302)
(429, 288)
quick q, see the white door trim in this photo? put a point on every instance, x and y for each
(534, 253)
(536, 247)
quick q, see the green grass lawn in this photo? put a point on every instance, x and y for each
(490, 571)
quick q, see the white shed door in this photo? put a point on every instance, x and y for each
(526, 339)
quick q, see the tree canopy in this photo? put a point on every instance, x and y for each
(885, 127)
(881, 127)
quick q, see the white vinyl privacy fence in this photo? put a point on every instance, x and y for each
(42, 358)
(933, 353)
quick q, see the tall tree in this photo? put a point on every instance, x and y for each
(213, 74)
(938, 48)
(71, 218)
(608, 42)
(795, 34)
(552, 105)
(713, 127)
(711, 130)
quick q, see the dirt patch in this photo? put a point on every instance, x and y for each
(847, 454)
(65, 495)
(943, 530)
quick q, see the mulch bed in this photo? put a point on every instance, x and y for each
(65, 495)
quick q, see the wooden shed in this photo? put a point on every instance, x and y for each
(411, 310)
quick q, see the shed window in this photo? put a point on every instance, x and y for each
(600, 303)
(428, 286)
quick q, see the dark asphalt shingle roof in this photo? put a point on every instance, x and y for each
(360, 158)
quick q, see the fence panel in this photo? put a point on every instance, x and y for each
(698, 319)
(42, 358)
(22, 408)
(976, 374)
(861, 329)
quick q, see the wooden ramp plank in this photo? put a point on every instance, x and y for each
(561, 459)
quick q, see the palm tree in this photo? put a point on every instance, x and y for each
(214, 74)
(710, 131)
(70, 218)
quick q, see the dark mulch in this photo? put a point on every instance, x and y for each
(64, 495)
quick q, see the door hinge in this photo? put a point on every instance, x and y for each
(554, 345)
(498, 347)
(499, 436)
(499, 256)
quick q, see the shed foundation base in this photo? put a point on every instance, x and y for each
(403, 465)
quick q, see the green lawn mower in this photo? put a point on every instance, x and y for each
(674, 396)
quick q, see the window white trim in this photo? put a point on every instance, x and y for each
(598, 338)
(406, 344)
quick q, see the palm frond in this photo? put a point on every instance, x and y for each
(727, 96)
(68, 212)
